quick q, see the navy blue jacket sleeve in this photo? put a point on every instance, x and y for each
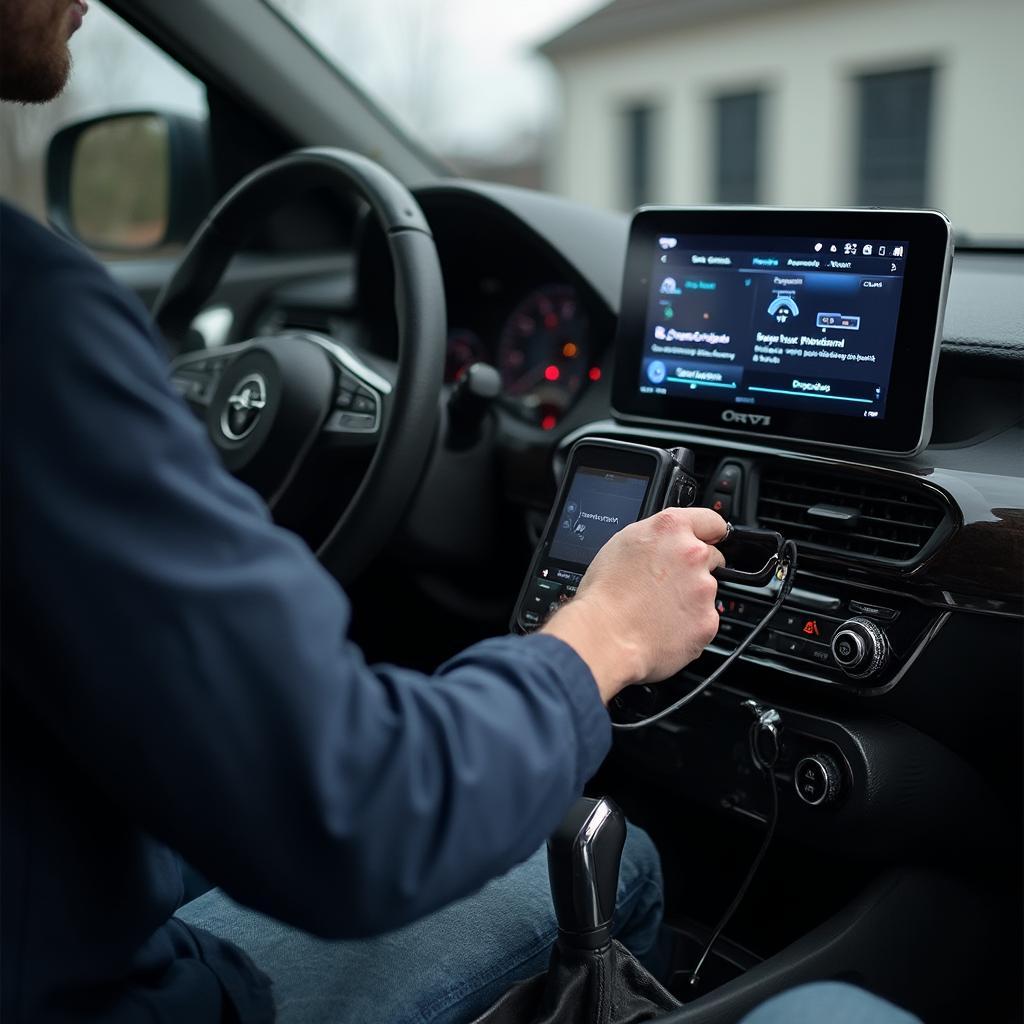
(198, 666)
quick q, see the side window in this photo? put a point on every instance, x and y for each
(894, 128)
(115, 69)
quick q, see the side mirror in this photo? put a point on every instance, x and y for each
(130, 182)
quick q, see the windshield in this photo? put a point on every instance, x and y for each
(906, 103)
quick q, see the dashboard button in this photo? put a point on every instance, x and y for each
(818, 653)
(861, 648)
(722, 504)
(817, 779)
(817, 629)
(847, 650)
(728, 480)
(789, 645)
(788, 622)
(873, 611)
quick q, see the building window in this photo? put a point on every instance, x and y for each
(894, 128)
(638, 151)
(737, 171)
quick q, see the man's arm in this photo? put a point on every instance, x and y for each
(192, 656)
(646, 606)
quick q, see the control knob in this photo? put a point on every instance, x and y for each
(860, 648)
(817, 779)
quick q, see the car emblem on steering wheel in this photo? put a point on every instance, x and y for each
(243, 407)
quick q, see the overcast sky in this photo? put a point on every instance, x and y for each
(462, 74)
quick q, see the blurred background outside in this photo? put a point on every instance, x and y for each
(781, 102)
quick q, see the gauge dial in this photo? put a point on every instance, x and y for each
(543, 352)
(464, 349)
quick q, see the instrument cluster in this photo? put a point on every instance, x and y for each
(539, 340)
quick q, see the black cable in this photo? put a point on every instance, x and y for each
(786, 573)
(773, 820)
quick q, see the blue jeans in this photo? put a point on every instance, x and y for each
(451, 966)
(828, 1002)
(444, 969)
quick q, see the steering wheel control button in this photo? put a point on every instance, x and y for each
(363, 402)
(341, 422)
(860, 648)
(818, 780)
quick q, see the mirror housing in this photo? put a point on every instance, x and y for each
(130, 182)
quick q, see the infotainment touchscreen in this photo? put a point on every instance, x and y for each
(815, 326)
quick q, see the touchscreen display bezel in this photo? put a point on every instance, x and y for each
(906, 426)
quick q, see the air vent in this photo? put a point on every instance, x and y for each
(846, 513)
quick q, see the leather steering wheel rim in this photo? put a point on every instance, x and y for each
(411, 415)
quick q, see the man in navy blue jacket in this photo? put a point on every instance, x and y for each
(176, 676)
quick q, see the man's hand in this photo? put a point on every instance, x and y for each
(646, 606)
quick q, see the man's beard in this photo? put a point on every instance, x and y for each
(32, 70)
(40, 82)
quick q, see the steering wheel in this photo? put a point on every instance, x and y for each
(269, 400)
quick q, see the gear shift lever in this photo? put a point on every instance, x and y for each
(583, 867)
(590, 979)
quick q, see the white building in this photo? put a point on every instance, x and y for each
(797, 102)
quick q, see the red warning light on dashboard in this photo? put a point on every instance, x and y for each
(811, 628)
(552, 372)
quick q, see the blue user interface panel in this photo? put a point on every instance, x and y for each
(794, 323)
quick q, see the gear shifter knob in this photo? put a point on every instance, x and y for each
(583, 865)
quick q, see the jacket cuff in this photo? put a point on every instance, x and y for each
(577, 683)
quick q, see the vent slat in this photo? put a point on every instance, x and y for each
(895, 522)
(822, 532)
(875, 519)
(866, 495)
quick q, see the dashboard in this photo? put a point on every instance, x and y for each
(933, 542)
(930, 552)
(913, 757)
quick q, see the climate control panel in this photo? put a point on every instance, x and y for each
(828, 630)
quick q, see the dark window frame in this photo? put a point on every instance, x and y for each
(639, 129)
(894, 124)
(737, 170)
